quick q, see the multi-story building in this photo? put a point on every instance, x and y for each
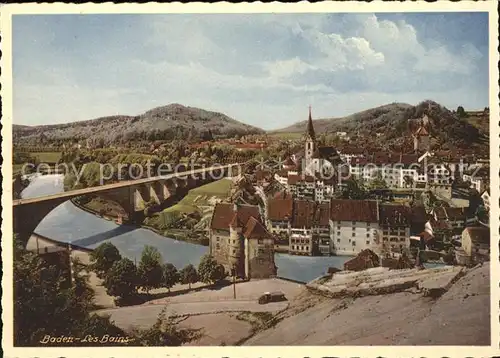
(396, 169)
(324, 189)
(302, 186)
(240, 241)
(279, 215)
(478, 177)
(354, 226)
(309, 227)
(395, 223)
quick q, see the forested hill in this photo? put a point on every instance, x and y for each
(448, 128)
(169, 122)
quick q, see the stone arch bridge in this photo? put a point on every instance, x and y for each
(131, 195)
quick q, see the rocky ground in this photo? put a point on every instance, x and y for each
(461, 316)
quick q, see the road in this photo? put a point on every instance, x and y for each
(144, 316)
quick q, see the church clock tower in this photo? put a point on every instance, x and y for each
(310, 142)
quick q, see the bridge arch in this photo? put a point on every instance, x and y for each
(131, 196)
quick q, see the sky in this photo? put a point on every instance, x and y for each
(261, 69)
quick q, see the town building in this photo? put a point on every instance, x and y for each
(395, 224)
(455, 218)
(421, 139)
(476, 243)
(279, 216)
(240, 241)
(302, 186)
(309, 228)
(478, 177)
(354, 226)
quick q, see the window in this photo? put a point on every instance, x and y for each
(384, 238)
(338, 240)
(353, 229)
(354, 243)
(217, 246)
(368, 242)
(368, 224)
(353, 234)
(368, 235)
(307, 248)
(354, 222)
(338, 233)
(338, 227)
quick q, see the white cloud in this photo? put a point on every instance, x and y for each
(261, 69)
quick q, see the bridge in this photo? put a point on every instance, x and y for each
(131, 195)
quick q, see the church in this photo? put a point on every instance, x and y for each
(318, 160)
(313, 176)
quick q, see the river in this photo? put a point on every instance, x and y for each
(67, 223)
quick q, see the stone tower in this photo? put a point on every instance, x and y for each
(236, 245)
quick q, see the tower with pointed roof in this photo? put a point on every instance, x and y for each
(310, 141)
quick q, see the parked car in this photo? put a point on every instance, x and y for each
(272, 297)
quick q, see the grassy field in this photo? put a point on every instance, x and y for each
(199, 200)
(479, 122)
(286, 135)
(201, 196)
(47, 157)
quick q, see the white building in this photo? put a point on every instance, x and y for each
(354, 226)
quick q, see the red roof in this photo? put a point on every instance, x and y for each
(255, 230)
(353, 210)
(280, 209)
(426, 235)
(297, 178)
(289, 162)
(308, 214)
(224, 215)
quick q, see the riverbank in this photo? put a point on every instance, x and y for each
(119, 219)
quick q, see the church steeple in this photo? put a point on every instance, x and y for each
(310, 127)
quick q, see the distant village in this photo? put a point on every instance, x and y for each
(435, 202)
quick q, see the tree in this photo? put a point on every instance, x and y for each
(378, 182)
(150, 270)
(103, 258)
(210, 271)
(189, 275)
(121, 280)
(354, 190)
(170, 276)
(45, 302)
(461, 112)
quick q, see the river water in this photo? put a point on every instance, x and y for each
(67, 223)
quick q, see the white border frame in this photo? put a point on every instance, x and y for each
(247, 351)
